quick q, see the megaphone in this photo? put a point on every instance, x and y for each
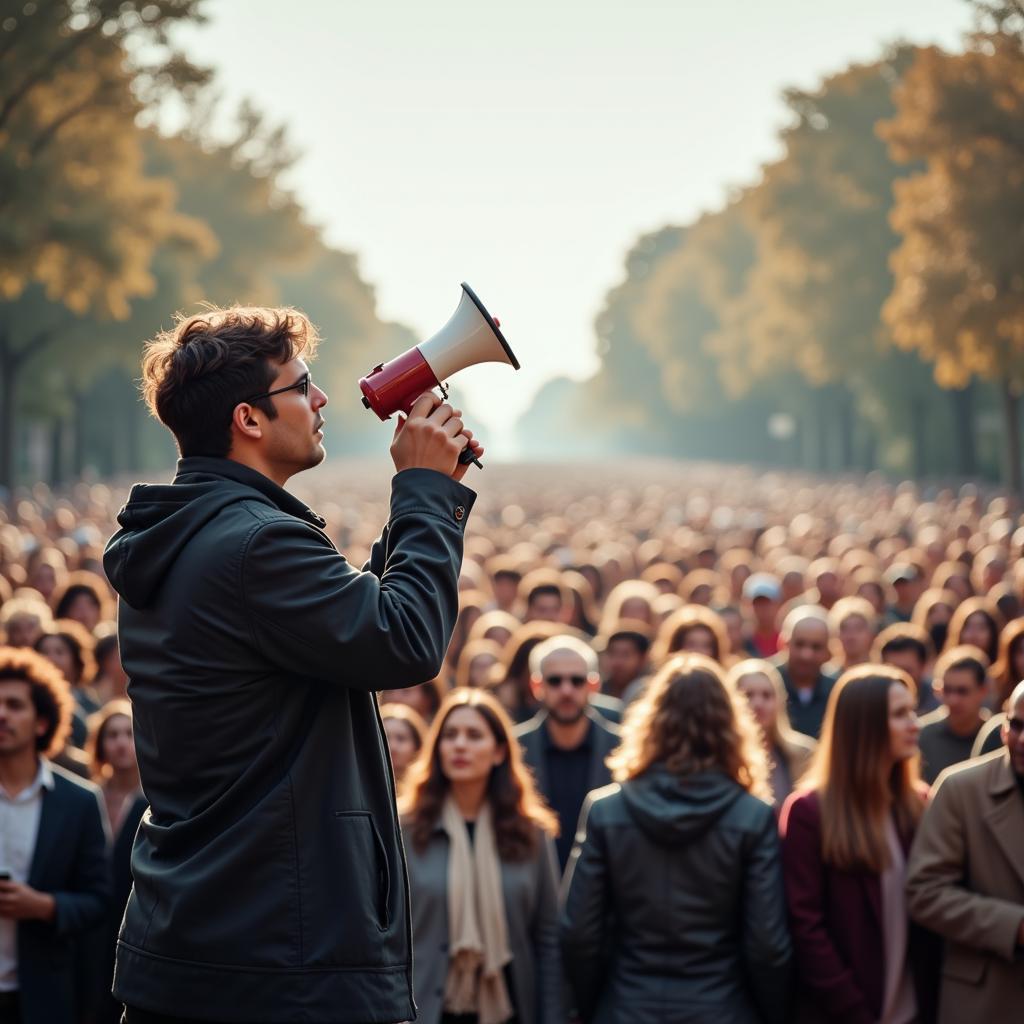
(471, 336)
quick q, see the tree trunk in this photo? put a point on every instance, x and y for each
(964, 433)
(846, 423)
(8, 370)
(1011, 412)
(919, 436)
(78, 422)
(824, 421)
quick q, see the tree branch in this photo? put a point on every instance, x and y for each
(46, 136)
(58, 56)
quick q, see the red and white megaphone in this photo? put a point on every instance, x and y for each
(471, 336)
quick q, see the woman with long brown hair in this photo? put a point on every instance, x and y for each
(846, 836)
(111, 750)
(976, 622)
(789, 752)
(482, 873)
(683, 855)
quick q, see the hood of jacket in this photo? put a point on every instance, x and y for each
(158, 520)
(673, 809)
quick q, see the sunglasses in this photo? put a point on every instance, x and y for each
(301, 385)
(1015, 724)
(577, 681)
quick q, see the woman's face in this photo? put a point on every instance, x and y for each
(480, 667)
(761, 696)
(401, 743)
(903, 724)
(976, 631)
(699, 640)
(938, 615)
(84, 609)
(55, 650)
(499, 634)
(467, 747)
(636, 608)
(119, 743)
(855, 636)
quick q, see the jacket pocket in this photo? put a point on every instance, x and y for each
(965, 965)
(346, 906)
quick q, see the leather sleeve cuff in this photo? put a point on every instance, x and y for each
(428, 491)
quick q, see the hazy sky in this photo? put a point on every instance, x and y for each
(524, 146)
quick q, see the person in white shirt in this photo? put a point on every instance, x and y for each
(54, 881)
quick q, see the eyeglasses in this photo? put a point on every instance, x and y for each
(301, 385)
(577, 681)
(1015, 724)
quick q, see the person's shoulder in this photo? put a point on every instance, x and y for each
(526, 731)
(611, 730)
(976, 775)
(605, 804)
(73, 788)
(934, 719)
(802, 806)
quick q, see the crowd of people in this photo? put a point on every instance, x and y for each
(707, 746)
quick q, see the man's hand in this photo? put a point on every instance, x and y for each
(432, 438)
(23, 903)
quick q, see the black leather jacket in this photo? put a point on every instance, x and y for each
(270, 882)
(674, 908)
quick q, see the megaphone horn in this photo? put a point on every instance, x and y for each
(471, 336)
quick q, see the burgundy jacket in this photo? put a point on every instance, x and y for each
(836, 924)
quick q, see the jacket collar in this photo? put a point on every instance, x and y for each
(204, 465)
(1002, 780)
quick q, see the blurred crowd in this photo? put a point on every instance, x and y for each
(707, 745)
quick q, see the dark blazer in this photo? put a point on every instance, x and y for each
(605, 739)
(673, 910)
(836, 924)
(269, 874)
(70, 863)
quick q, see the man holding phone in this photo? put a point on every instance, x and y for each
(53, 861)
(270, 880)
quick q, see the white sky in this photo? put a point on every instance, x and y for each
(524, 146)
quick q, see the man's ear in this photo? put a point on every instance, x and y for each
(245, 421)
(593, 682)
(537, 688)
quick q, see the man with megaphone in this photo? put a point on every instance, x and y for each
(269, 875)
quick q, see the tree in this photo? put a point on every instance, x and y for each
(79, 218)
(958, 297)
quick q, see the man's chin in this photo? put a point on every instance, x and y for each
(563, 719)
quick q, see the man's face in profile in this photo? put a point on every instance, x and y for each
(294, 440)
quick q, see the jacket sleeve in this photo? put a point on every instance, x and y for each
(585, 910)
(312, 613)
(767, 952)
(84, 901)
(820, 967)
(545, 937)
(936, 894)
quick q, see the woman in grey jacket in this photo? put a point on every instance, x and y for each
(674, 910)
(482, 874)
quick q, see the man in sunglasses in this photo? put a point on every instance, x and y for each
(269, 878)
(566, 742)
(966, 878)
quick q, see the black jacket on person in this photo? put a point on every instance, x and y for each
(69, 862)
(674, 909)
(269, 876)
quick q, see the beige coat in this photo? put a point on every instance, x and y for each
(966, 882)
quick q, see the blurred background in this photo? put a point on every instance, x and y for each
(783, 234)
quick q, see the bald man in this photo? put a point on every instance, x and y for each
(806, 649)
(966, 878)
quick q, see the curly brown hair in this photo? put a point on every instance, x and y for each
(691, 720)
(520, 814)
(194, 375)
(51, 694)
